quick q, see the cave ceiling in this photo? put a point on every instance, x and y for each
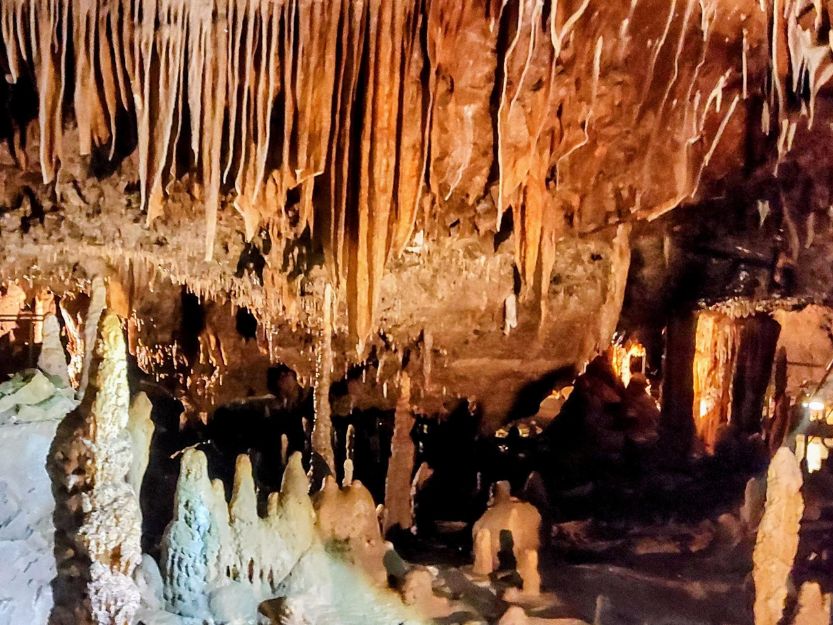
(431, 160)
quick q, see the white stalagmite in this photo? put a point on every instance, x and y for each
(401, 466)
(777, 540)
(110, 529)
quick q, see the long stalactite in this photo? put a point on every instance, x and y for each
(353, 119)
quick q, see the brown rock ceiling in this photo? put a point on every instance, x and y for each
(415, 154)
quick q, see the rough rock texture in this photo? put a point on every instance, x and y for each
(26, 509)
(777, 541)
(98, 521)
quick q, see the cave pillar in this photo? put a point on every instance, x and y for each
(676, 418)
(398, 509)
(756, 353)
(322, 430)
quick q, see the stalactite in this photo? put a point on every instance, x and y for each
(716, 342)
(336, 117)
(401, 464)
(322, 430)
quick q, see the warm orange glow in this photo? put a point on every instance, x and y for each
(628, 358)
(713, 368)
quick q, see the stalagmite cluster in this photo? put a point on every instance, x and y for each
(777, 541)
(97, 517)
(218, 555)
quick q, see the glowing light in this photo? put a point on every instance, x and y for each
(816, 405)
(623, 357)
(817, 453)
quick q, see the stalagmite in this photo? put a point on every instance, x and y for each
(140, 427)
(483, 560)
(348, 516)
(191, 545)
(98, 301)
(528, 570)
(813, 606)
(322, 431)
(777, 540)
(52, 359)
(507, 514)
(93, 461)
(401, 464)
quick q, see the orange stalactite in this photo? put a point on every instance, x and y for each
(716, 343)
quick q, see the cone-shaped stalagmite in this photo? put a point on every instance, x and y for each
(94, 460)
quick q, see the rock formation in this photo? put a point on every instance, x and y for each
(97, 516)
(26, 503)
(512, 525)
(52, 359)
(347, 517)
(140, 427)
(777, 540)
(218, 556)
(813, 606)
(398, 504)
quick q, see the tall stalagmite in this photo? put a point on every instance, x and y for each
(398, 508)
(322, 429)
(98, 518)
(777, 541)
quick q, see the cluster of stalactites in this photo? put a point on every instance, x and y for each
(357, 106)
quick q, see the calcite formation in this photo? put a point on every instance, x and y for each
(217, 556)
(211, 544)
(777, 540)
(346, 519)
(508, 525)
(98, 520)
(351, 119)
(140, 428)
(27, 506)
(398, 504)
(813, 606)
(52, 359)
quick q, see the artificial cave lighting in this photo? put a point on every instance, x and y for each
(455, 312)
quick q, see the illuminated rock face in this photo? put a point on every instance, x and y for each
(777, 541)
(364, 122)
